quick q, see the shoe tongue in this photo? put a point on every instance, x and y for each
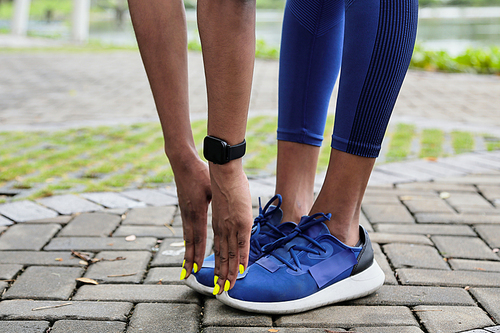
(315, 229)
(277, 215)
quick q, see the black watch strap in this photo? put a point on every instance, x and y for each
(219, 152)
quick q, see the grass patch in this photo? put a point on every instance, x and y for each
(431, 143)
(400, 143)
(492, 143)
(462, 142)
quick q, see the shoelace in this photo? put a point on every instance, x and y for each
(262, 220)
(298, 232)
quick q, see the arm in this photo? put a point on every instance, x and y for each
(227, 31)
(160, 27)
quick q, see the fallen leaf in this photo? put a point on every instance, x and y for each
(444, 195)
(430, 158)
(50, 307)
(119, 275)
(110, 244)
(177, 244)
(406, 197)
(495, 250)
(273, 330)
(479, 268)
(467, 288)
(130, 238)
(86, 280)
(83, 262)
(170, 228)
(59, 259)
(83, 256)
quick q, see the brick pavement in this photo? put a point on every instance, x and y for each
(435, 237)
(54, 89)
(437, 242)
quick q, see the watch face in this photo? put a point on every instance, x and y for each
(215, 150)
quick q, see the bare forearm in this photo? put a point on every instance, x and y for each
(160, 27)
(227, 31)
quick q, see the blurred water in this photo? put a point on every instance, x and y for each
(451, 29)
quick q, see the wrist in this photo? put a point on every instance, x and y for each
(182, 159)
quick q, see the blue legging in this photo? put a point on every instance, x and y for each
(371, 42)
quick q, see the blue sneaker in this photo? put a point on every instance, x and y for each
(266, 229)
(306, 269)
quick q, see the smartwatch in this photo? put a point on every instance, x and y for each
(219, 152)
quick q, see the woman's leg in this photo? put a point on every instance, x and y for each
(311, 49)
(379, 40)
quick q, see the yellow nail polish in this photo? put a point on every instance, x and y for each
(227, 285)
(183, 263)
(216, 289)
(195, 268)
(242, 269)
(183, 274)
(216, 278)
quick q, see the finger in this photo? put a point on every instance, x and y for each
(233, 262)
(224, 265)
(188, 235)
(200, 241)
(216, 247)
(243, 239)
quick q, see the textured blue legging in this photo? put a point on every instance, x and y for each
(370, 42)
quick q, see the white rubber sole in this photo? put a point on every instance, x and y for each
(195, 285)
(356, 286)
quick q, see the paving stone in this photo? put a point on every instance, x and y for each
(151, 197)
(137, 293)
(95, 244)
(463, 247)
(490, 234)
(91, 224)
(477, 210)
(150, 216)
(164, 275)
(38, 282)
(458, 200)
(387, 329)
(218, 314)
(171, 252)
(433, 277)
(406, 170)
(27, 236)
(219, 329)
(438, 186)
(112, 200)
(490, 300)
(148, 231)
(5, 222)
(61, 219)
(479, 330)
(2, 229)
(135, 264)
(22, 211)
(151, 317)
(69, 204)
(493, 329)
(87, 326)
(116, 211)
(412, 296)
(23, 310)
(384, 265)
(414, 256)
(451, 319)
(387, 214)
(428, 206)
(474, 179)
(492, 193)
(24, 326)
(385, 238)
(8, 271)
(390, 199)
(259, 190)
(381, 178)
(425, 229)
(350, 316)
(457, 218)
(30, 258)
(474, 265)
(400, 192)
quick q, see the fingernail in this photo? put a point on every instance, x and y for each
(216, 289)
(183, 274)
(195, 268)
(183, 263)
(227, 285)
(242, 269)
(216, 278)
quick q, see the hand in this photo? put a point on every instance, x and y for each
(194, 194)
(231, 222)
